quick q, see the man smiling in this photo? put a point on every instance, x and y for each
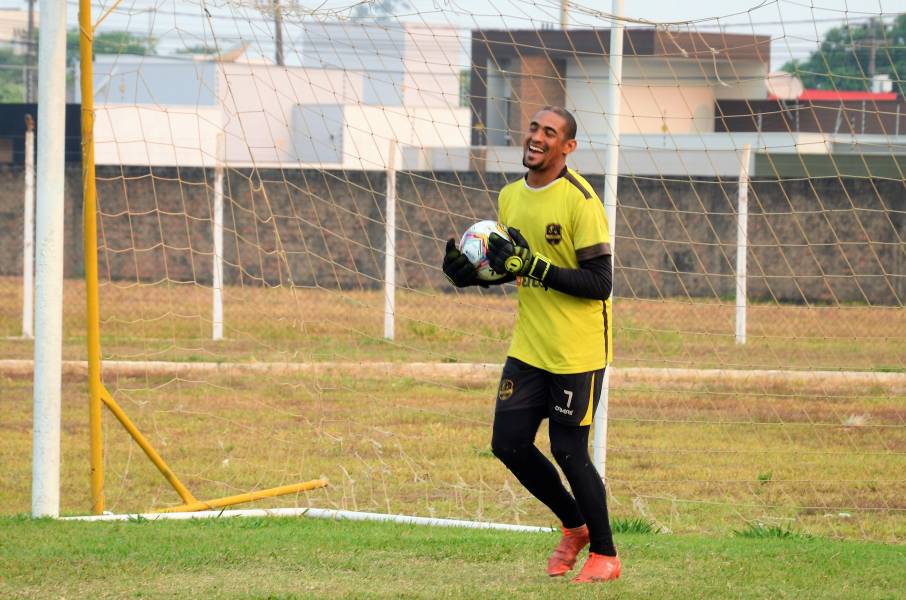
(559, 254)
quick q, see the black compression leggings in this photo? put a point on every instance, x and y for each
(514, 444)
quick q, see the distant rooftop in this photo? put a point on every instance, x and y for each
(846, 95)
(572, 43)
(786, 86)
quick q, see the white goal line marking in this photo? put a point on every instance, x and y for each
(459, 371)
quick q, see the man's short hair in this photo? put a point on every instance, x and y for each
(571, 126)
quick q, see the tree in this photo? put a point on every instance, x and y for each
(199, 49)
(12, 76)
(379, 10)
(845, 58)
(110, 42)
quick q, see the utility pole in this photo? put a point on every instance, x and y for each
(30, 56)
(873, 48)
(278, 33)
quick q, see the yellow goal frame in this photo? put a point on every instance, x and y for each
(98, 393)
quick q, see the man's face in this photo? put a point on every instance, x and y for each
(545, 142)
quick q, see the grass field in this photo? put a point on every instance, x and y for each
(173, 322)
(306, 558)
(691, 456)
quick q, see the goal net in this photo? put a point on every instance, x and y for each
(276, 184)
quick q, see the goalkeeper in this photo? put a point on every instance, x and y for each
(559, 255)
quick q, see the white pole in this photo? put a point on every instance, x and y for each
(315, 513)
(390, 244)
(742, 244)
(611, 175)
(45, 493)
(28, 246)
(217, 313)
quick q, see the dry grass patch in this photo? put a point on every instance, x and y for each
(172, 321)
(707, 457)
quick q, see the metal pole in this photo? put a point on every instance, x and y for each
(278, 33)
(90, 245)
(611, 175)
(390, 244)
(45, 494)
(873, 47)
(28, 234)
(217, 316)
(742, 244)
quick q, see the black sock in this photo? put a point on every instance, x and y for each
(569, 445)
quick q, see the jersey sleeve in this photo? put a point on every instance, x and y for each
(591, 234)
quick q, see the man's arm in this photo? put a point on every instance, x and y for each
(593, 279)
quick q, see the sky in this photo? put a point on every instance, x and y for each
(795, 26)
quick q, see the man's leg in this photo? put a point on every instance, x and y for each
(513, 443)
(569, 445)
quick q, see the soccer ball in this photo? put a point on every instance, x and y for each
(474, 245)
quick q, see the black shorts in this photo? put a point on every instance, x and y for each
(570, 399)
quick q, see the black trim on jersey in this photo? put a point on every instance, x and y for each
(563, 173)
(569, 177)
(606, 335)
(593, 252)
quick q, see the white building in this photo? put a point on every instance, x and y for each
(359, 88)
(670, 81)
(676, 90)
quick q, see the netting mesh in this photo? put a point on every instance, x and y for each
(801, 426)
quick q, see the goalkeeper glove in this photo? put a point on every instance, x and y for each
(457, 268)
(515, 257)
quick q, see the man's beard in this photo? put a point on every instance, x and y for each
(525, 163)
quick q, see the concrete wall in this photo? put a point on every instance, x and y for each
(828, 240)
(12, 190)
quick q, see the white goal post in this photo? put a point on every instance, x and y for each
(611, 178)
(49, 263)
(28, 234)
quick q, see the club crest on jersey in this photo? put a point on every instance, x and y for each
(506, 389)
(552, 234)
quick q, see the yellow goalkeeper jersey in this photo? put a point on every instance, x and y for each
(564, 221)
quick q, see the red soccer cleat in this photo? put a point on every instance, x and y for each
(599, 568)
(564, 557)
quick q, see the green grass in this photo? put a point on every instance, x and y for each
(308, 558)
(686, 456)
(758, 530)
(636, 525)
